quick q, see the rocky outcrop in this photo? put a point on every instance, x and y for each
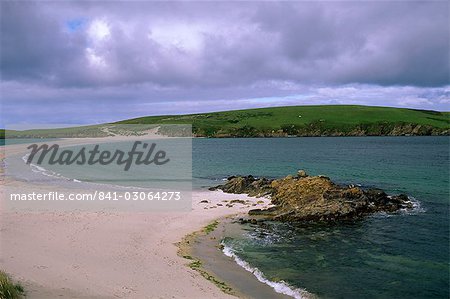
(246, 185)
(320, 128)
(314, 198)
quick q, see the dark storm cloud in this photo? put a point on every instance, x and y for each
(33, 46)
(176, 57)
(209, 44)
(382, 43)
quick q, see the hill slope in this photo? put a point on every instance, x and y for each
(333, 120)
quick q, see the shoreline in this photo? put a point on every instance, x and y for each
(146, 137)
(185, 250)
(106, 254)
(140, 234)
(204, 250)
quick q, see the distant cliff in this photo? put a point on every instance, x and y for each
(315, 129)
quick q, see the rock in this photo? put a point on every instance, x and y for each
(266, 212)
(240, 201)
(204, 201)
(245, 185)
(255, 212)
(314, 198)
(302, 174)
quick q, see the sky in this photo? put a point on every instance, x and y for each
(91, 62)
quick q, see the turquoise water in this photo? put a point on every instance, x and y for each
(175, 175)
(10, 141)
(405, 255)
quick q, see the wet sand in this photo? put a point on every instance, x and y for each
(206, 248)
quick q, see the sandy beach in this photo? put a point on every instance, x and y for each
(108, 255)
(76, 254)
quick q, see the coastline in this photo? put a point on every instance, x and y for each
(241, 283)
(106, 254)
(204, 251)
(378, 231)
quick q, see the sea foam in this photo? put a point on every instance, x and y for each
(279, 287)
(49, 173)
(43, 171)
(416, 207)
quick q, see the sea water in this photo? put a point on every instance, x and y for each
(399, 255)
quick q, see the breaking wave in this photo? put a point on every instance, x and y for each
(279, 287)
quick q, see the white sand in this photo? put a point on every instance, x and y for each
(108, 255)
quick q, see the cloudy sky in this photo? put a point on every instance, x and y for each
(92, 62)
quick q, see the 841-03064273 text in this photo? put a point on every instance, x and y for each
(98, 195)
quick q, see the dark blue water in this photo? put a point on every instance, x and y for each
(405, 255)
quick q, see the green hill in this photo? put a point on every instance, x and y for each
(333, 120)
(336, 120)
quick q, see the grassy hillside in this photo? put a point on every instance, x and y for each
(101, 130)
(274, 122)
(336, 120)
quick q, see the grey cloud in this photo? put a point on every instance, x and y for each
(182, 57)
(34, 46)
(394, 43)
(400, 43)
